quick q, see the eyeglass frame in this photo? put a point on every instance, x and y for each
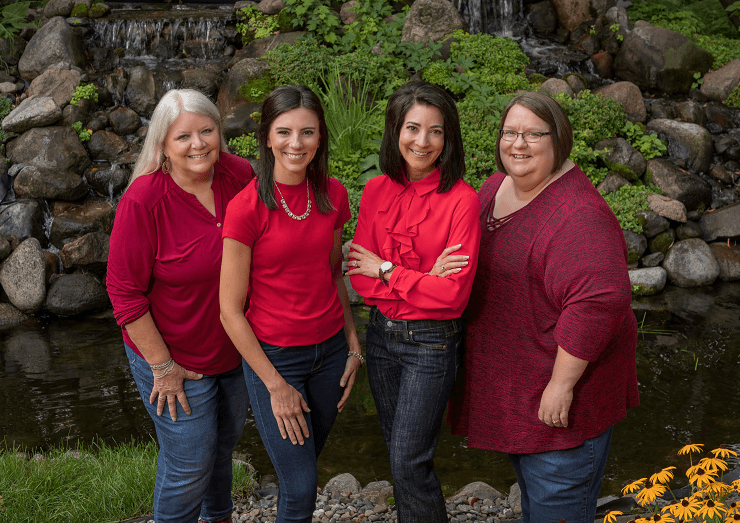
(540, 134)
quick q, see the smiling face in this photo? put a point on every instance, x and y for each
(529, 164)
(421, 140)
(192, 144)
(294, 140)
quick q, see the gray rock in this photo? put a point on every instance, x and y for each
(105, 145)
(687, 141)
(8, 87)
(576, 82)
(9, 315)
(680, 185)
(721, 223)
(663, 241)
(203, 80)
(515, 496)
(656, 58)
(58, 8)
(667, 207)
(55, 148)
(553, 86)
(477, 489)
(22, 219)
(718, 85)
(347, 12)
(542, 18)
(30, 113)
(636, 245)
(619, 152)
(430, 21)
(728, 258)
(124, 121)
(354, 297)
(23, 276)
(653, 260)
(78, 220)
(691, 263)
(652, 223)
(141, 91)
(58, 83)
(238, 120)
(75, 113)
(343, 484)
(107, 180)
(572, 13)
(691, 112)
(52, 264)
(89, 252)
(612, 183)
(646, 282)
(54, 42)
(629, 96)
(258, 48)
(5, 247)
(33, 182)
(228, 95)
(72, 294)
(689, 230)
(377, 492)
(270, 7)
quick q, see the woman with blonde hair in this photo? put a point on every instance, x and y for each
(163, 271)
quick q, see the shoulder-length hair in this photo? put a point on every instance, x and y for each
(172, 104)
(548, 110)
(452, 159)
(281, 100)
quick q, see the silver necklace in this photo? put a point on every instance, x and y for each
(285, 205)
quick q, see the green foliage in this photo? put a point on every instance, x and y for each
(245, 146)
(255, 25)
(419, 55)
(13, 19)
(86, 92)
(648, 144)
(374, 25)
(79, 11)
(316, 17)
(706, 17)
(627, 202)
(734, 99)
(82, 133)
(593, 117)
(385, 73)
(300, 64)
(723, 49)
(256, 88)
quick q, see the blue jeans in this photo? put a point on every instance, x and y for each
(194, 471)
(315, 371)
(562, 484)
(411, 368)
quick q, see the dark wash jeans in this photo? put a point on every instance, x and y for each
(315, 371)
(411, 368)
(194, 471)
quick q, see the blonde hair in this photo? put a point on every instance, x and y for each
(172, 104)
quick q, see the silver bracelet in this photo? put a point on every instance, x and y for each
(167, 370)
(356, 355)
(161, 365)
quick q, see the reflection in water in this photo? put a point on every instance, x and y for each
(68, 380)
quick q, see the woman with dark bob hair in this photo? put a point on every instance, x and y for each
(418, 209)
(550, 341)
(297, 338)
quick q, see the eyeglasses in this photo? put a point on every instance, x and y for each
(529, 136)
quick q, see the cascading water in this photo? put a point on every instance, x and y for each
(500, 17)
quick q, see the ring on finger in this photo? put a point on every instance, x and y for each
(443, 267)
(556, 421)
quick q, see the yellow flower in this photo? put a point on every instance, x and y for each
(700, 477)
(611, 516)
(713, 464)
(634, 486)
(717, 489)
(732, 518)
(687, 449)
(662, 475)
(722, 452)
(662, 518)
(650, 493)
(685, 509)
(711, 509)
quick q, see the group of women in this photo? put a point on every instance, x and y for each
(229, 290)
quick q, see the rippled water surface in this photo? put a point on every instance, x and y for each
(68, 380)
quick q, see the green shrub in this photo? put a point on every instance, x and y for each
(316, 17)
(386, 72)
(734, 99)
(82, 133)
(256, 88)
(706, 17)
(723, 49)
(245, 146)
(300, 64)
(86, 92)
(648, 144)
(627, 202)
(255, 25)
(374, 25)
(593, 117)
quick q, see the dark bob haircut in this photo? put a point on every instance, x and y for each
(452, 158)
(281, 100)
(548, 110)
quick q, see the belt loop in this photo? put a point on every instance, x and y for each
(406, 330)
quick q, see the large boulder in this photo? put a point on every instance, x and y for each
(660, 59)
(106, 145)
(243, 71)
(571, 13)
(721, 223)
(54, 42)
(343, 484)
(686, 141)
(124, 121)
(22, 219)
(554, 86)
(718, 85)
(476, 489)
(23, 276)
(691, 263)
(33, 182)
(30, 113)
(54, 148)
(629, 96)
(59, 8)
(141, 91)
(728, 258)
(72, 221)
(89, 252)
(58, 82)
(622, 157)
(430, 21)
(72, 294)
(680, 185)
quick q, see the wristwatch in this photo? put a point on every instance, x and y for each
(385, 268)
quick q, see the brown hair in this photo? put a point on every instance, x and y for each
(548, 110)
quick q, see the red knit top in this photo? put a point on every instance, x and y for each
(293, 299)
(410, 224)
(553, 274)
(165, 258)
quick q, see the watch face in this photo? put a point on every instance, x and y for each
(386, 266)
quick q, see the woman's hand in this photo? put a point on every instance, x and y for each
(555, 405)
(288, 407)
(364, 262)
(169, 390)
(448, 264)
(350, 373)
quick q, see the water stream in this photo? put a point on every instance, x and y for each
(67, 380)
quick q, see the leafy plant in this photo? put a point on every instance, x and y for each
(385, 72)
(734, 99)
(627, 202)
(723, 49)
(593, 117)
(698, 80)
(82, 133)
(316, 17)
(84, 92)
(300, 64)
(13, 19)
(255, 24)
(649, 145)
(245, 146)
(374, 25)
(614, 28)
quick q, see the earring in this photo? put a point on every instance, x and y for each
(165, 166)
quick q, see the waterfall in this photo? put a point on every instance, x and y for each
(498, 17)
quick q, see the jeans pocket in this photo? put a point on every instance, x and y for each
(272, 349)
(436, 338)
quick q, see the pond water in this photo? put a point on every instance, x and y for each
(67, 380)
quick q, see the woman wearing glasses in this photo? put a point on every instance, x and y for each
(550, 345)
